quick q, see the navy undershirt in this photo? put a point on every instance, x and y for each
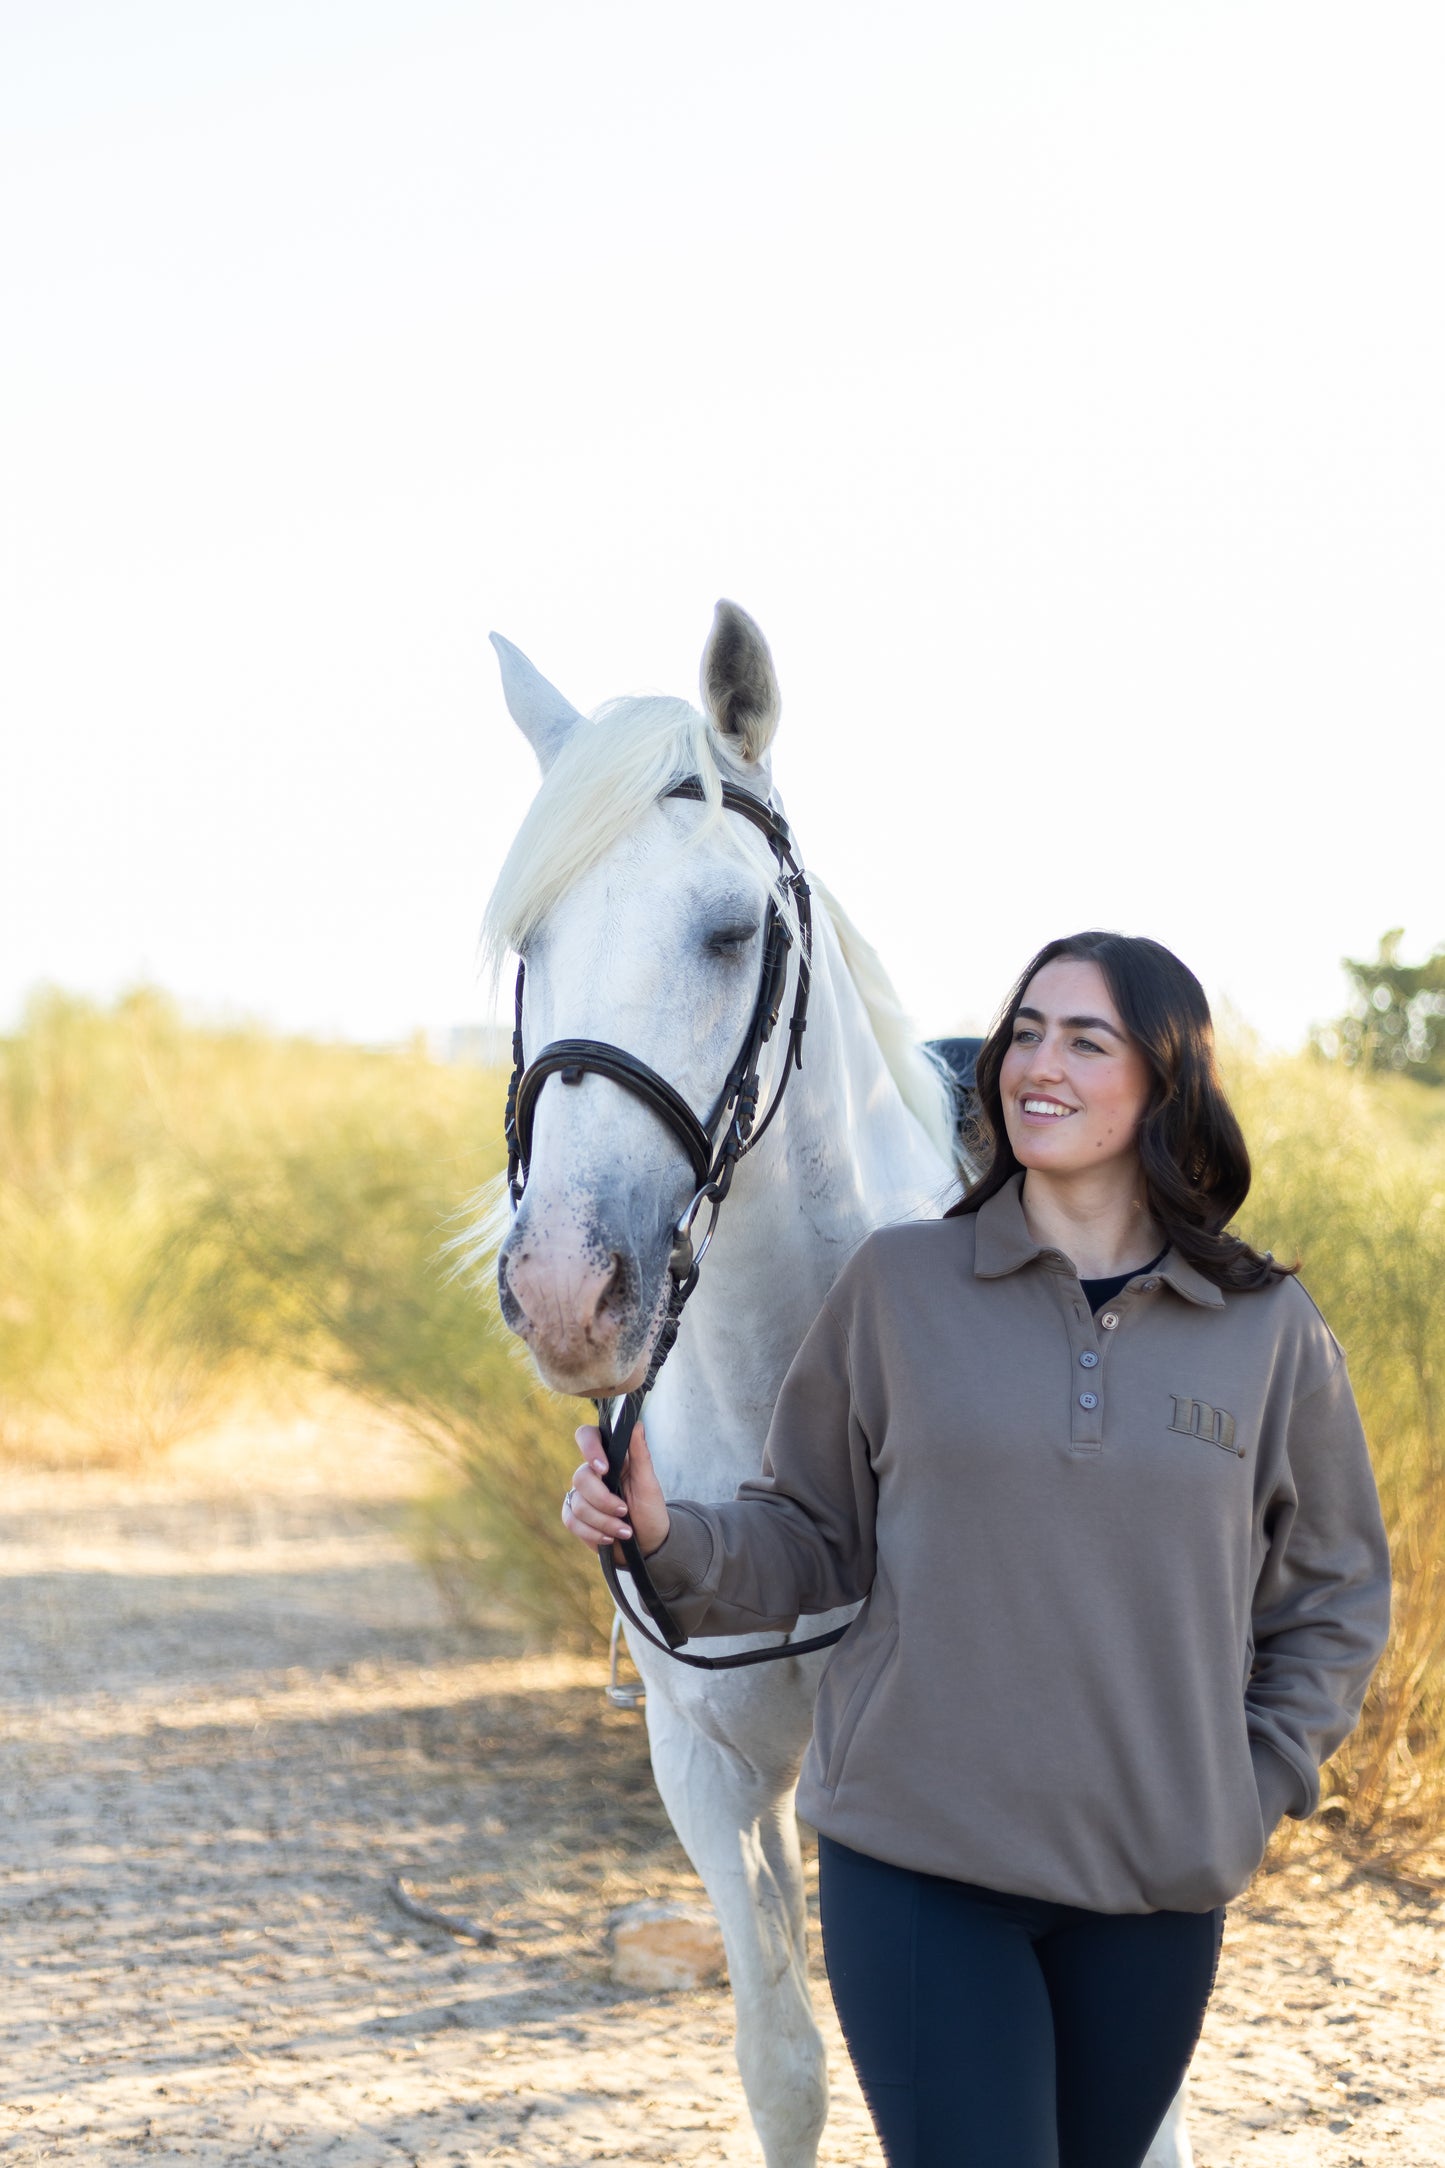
(1098, 1292)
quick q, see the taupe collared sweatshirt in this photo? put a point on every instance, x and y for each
(1124, 1578)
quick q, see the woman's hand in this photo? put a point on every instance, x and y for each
(595, 1517)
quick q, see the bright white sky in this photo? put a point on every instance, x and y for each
(1058, 385)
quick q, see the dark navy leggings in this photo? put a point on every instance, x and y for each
(993, 2031)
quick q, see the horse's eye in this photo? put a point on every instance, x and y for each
(730, 940)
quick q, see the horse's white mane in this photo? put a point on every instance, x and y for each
(923, 1081)
(607, 775)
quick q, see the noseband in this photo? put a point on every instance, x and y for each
(713, 1149)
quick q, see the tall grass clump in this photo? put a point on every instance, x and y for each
(191, 1215)
(1350, 1180)
(86, 1197)
(326, 1247)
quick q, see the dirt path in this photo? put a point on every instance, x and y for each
(233, 1707)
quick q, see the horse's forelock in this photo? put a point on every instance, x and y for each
(607, 775)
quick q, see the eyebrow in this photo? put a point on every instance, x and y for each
(1076, 1023)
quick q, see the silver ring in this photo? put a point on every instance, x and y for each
(571, 1494)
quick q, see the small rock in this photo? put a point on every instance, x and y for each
(657, 1946)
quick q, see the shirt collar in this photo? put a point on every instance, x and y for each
(1004, 1244)
(1004, 1241)
(1187, 1280)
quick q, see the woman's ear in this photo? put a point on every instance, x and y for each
(739, 683)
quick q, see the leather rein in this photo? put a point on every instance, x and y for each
(713, 1158)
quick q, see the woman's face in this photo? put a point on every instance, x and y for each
(1074, 1084)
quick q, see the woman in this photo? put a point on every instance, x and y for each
(1094, 1467)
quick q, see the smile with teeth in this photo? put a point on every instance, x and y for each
(1051, 1107)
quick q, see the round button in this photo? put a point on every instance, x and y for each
(1108, 1321)
(1088, 1400)
(1148, 1286)
(1088, 1359)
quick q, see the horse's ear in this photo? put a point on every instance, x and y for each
(739, 683)
(545, 719)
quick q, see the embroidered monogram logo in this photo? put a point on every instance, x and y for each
(1196, 1419)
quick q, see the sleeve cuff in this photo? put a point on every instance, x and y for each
(1278, 1785)
(680, 1563)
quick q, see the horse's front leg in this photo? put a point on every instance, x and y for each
(726, 1758)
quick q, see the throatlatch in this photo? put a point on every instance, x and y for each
(713, 1165)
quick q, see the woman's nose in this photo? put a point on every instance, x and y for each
(1047, 1060)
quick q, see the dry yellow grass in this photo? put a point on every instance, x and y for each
(187, 1216)
(1350, 1178)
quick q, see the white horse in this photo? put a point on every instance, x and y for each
(639, 920)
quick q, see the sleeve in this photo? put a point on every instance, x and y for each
(1321, 1607)
(799, 1537)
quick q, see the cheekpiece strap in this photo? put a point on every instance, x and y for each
(713, 1169)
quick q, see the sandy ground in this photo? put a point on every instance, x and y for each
(233, 1707)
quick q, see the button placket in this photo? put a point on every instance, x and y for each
(1086, 1418)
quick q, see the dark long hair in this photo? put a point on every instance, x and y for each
(1191, 1148)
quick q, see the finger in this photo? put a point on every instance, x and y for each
(593, 1541)
(589, 1488)
(639, 1473)
(596, 1539)
(589, 1437)
(593, 1512)
(596, 1527)
(589, 1527)
(589, 1485)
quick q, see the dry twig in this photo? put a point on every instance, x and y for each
(468, 1930)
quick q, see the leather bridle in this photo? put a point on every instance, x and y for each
(713, 1148)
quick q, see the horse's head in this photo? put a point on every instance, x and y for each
(640, 921)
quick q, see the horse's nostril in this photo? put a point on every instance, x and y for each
(615, 1285)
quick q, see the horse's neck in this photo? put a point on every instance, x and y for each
(843, 1156)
